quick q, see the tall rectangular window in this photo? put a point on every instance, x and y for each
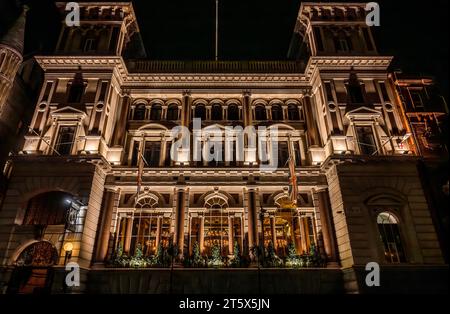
(366, 140)
(368, 39)
(283, 154)
(48, 88)
(65, 140)
(76, 92)
(329, 91)
(384, 91)
(417, 99)
(152, 153)
(134, 156)
(318, 36)
(167, 157)
(298, 156)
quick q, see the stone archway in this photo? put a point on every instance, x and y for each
(33, 272)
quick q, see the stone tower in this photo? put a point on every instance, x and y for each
(11, 50)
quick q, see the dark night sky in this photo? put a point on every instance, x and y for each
(415, 32)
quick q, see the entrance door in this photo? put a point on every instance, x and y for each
(34, 273)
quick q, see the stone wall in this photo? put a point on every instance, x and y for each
(360, 190)
(84, 180)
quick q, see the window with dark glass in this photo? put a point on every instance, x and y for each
(367, 39)
(277, 113)
(90, 45)
(134, 156)
(260, 113)
(139, 112)
(219, 155)
(65, 140)
(283, 154)
(167, 156)
(200, 112)
(233, 113)
(366, 140)
(329, 91)
(417, 100)
(156, 113)
(319, 41)
(172, 113)
(391, 238)
(216, 112)
(76, 92)
(343, 43)
(356, 93)
(384, 91)
(152, 153)
(297, 153)
(293, 113)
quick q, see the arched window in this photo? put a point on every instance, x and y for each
(139, 112)
(390, 237)
(147, 202)
(156, 113)
(200, 112)
(277, 113)
(260, 113)
(216, 112)
(293, 113)
(216, 225)
(172, 113)
(233, 112)
(150, 228)
(48, 209)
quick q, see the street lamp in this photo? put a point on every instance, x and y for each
(68, 248)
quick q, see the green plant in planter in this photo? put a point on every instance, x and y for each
(236, 259)
(271, 258)
(216, 257)
(315, 258)
(120, 259)
(138, 260)
(197, 259)
(293, 260)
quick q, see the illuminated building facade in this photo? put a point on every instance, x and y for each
(100, 112)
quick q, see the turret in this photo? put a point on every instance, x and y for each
(11, 51)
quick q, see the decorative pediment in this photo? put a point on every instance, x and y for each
(68, 112)
(364, 113)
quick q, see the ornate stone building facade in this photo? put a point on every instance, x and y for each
(338, 120)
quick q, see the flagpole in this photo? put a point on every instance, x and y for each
(217, 30)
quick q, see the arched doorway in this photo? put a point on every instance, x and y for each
(33, 273)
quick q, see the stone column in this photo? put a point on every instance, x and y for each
(274, 231)
(326, 221)
(230, 236)
(158, 232)
(103, 232)
(201, 241)
(120, 128)
(128, 234)
(186, 109)
(247, 108)
(311, 123)
(302, 234)
(252, 219)
(179, 219)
